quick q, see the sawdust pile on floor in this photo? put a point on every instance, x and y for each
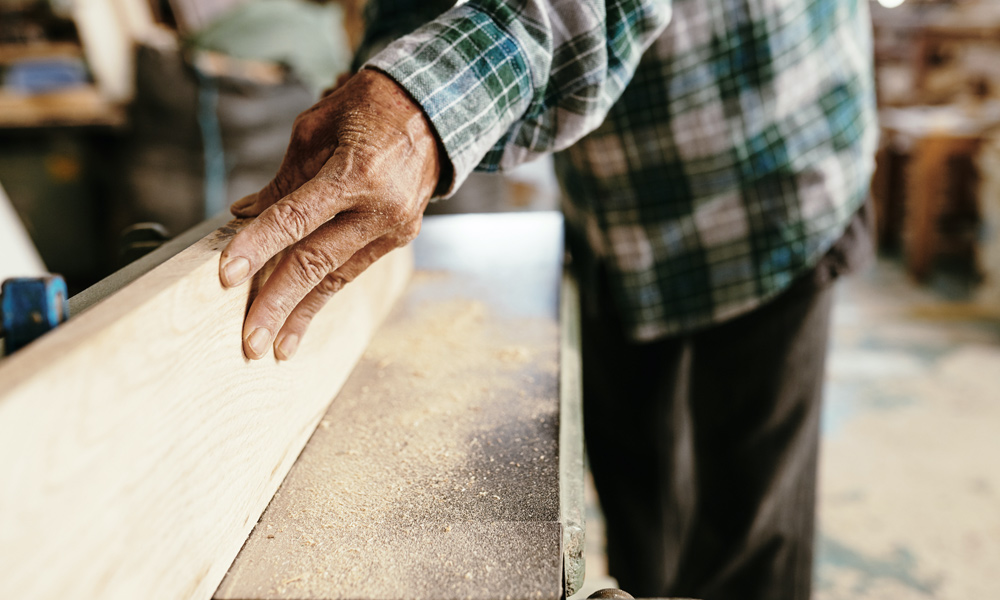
(442, 440)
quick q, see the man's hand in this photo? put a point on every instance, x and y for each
(355, 180)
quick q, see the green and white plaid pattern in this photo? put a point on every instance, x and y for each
(711, 150)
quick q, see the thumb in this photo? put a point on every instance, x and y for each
(253, 204)
(241, 208)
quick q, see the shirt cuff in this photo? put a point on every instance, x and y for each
(471, 78)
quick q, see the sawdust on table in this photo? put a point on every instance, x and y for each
(448, 427)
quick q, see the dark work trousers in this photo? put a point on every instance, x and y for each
(703, 449)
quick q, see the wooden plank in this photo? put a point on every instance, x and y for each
(435, 475)
(13, 52)
(138, 446)
(137, 268)
(81, 106)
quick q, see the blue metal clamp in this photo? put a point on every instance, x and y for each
(31, 307)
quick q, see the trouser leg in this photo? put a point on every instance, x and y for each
(638, 444)
(756, 386)
(709, 485)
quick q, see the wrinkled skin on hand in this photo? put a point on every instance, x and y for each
(359, 170)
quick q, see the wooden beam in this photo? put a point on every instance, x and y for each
(138, 447)
(81, 106)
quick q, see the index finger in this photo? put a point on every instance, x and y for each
(282, 224)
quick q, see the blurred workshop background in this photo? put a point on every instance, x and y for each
(125, 122)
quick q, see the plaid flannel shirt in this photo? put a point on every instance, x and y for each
(710, 151)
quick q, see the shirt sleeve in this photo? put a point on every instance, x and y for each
(505, 81)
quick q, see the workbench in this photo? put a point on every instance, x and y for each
(139, 447)
(436, 471)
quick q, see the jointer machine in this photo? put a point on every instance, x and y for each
(142, 455)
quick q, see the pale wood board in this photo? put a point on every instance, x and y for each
(93, 295)
(138, 446)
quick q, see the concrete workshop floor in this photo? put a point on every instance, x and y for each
(910, 466)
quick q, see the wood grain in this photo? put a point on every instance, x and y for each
(138, 447)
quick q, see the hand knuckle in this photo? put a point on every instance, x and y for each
(292, 219)
(407, 233)
(332, 284)
(312, 265)
(412, 229)
(348, 275)
(396, 212)
(303, 126)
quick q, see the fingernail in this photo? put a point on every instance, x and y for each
(287, 346)
(235, 271)
(258, 341)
